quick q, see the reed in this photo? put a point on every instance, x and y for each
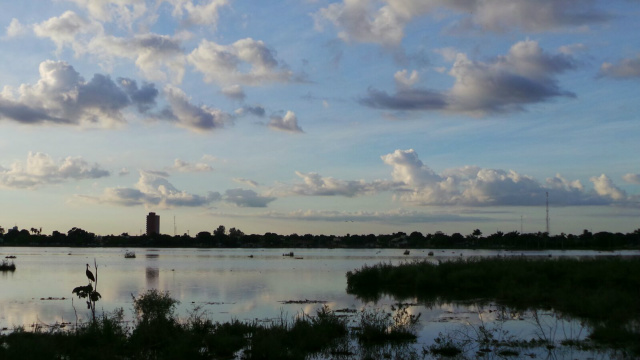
(602, 291)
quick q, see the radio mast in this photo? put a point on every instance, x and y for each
(547, 213)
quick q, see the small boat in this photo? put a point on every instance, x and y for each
(288, 254)
(430, 253)
(129, 255)
(10, 257)
(407, 252)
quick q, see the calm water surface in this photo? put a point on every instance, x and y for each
(226, 283)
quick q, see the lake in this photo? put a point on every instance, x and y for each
(243, 284)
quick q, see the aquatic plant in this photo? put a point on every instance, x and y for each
(89, 292)
(602, 291)
(6, 266)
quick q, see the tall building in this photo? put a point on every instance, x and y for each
(153, 224)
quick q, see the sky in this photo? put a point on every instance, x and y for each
(322, 117)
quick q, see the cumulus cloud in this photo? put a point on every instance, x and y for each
(154, 54)
(246, 198)
(632, 178)
(124, 11)
(64, 30)
(248, 182)
(206, 13)
(525, 75)
(41, 169)
(190, 116)
(288, 123)
(625, 69)
(144, 97)
(474, 186)
(62, 96)
(15, 29)
(255, 110)
(245, 62)
(235, 92)
(316, 185)
(404, 79)
(398, 216)
(154, 190)
(183, 166)
(384, 22)
(605, 187)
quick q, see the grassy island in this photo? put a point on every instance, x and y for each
(603, 291)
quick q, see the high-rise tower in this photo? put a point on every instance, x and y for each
(153, 224)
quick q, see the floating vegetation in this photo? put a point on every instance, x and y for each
(5, 265)
(305, 301)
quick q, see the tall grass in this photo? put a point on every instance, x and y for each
(158, 334)
(603, 291)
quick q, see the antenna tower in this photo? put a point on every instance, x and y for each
(547, 212)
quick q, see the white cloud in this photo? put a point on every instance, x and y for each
(360, 21)
(154, 54)
(235, 92)
(248, 182)
(64, 29)
(525, 75)
(316, 185)
(474, 186)
(154, 191)
(185, 114)
(124, 11)
(15, 29)
(288, 123)
(403, 79)
(632, 178)
(246, 198)
(604, 186)
(206, 13)
(625, 69)
(62, 96)
(398, 216)
(40, 169)
(383, 22)
(183, 166)
(245, 62)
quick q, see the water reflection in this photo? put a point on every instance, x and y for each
(152, 274)
(226, 283)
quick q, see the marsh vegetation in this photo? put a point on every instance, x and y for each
(602, 292)
(157, 333)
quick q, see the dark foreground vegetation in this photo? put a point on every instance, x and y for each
(604, 291)
(235, 238)
(157, 333)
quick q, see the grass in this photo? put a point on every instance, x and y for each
(602, 291)
(158, 334)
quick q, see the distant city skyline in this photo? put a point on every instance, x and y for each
(320, 116)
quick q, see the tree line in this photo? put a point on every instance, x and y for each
(235, 238)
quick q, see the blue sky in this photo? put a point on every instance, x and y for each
(334, 117)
